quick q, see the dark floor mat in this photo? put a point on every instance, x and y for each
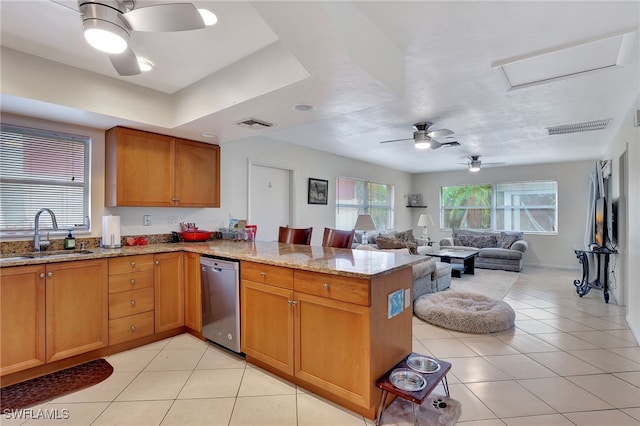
(54, 385)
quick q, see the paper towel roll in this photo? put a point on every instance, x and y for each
(111, 231)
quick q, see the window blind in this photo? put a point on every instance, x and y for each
(40, 168)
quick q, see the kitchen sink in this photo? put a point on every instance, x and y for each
(61, 253)
(40, 254)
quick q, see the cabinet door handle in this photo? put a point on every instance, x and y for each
(133, 303)
(49, 274)
(133, 281)
(133, 264)
(42, 275)
(292, 302)
(157, 262)
(133, 328)
(326, 285)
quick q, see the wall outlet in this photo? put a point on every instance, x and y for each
(146, 220)
(173, 220)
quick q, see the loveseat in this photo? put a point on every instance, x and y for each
(496, 250)
(429, 276)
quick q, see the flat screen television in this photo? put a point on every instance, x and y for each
(600, 225)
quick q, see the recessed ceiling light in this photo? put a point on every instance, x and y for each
(145, 65)
(303, 107)
(208, 17)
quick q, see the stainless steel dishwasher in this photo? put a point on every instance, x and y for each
(221, 301)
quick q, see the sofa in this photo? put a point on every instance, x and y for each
(496, 250)
(429, 276)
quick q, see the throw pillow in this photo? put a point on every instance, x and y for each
(385, 243)
(508, 238)
(406, 235)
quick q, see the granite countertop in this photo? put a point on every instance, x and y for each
(346, 262)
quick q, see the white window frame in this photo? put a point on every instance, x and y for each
(366, 206)
(74, 216)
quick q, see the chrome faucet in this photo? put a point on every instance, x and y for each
(37, 244)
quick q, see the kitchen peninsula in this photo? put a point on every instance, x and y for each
(322, 318)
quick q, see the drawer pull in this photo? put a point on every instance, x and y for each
(42, 275)
(133, 264)
(49, 274)
(326, 285)
(133, 282)
(133, 303)
(133, 328)
(263, 274)
(157, 262)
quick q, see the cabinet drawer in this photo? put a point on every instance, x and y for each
(126, 264)
(346, 289)
(132, 281)
(131, 327)
(130, 302)
(267, 274)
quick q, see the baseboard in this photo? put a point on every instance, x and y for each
(634, 329)
(550, 266)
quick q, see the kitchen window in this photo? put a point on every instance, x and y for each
(40, 168)
(356, 196)
(530, 207)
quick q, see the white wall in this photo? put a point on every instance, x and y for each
(628, 138)
(235, 158)
(544, 250)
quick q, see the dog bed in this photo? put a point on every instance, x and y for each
(467, 312)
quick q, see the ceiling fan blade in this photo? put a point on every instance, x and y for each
(449, 144)
(439, 133)
(125, 63)
(164, 18)
(397, 140)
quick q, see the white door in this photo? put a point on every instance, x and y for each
(270, 200)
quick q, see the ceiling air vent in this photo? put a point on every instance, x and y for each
(254, 123)
(579, 127)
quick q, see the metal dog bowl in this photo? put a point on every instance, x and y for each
(407, 380)
(422, 363)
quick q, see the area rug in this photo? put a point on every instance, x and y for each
(437, 410)
(488, 282)
(465, 311)
(54, 385)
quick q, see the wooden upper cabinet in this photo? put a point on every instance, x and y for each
(148, 169)
(197, 174)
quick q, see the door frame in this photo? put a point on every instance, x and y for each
(292, 186)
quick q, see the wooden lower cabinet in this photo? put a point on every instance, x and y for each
(22, 318)
(325, 332)
(267, 324)
(76, 308)
(332, 346)
(192, 292)
(169, 291)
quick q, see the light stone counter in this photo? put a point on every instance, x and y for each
(345, 262)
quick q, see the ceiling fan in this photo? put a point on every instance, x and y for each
(474, 163)
(424, 137)
(107, 26)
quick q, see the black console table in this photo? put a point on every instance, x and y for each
(601, 281)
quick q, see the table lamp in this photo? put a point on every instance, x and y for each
(364, 223)
(425, 220)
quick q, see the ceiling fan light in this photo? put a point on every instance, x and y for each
(208, 17)
(422, 144)
(474, 166)
(145, 65)
(105, 36)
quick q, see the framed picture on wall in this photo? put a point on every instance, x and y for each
(318, 191)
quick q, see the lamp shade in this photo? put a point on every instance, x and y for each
(365, 223)
(425, 220)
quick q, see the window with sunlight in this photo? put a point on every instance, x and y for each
(356, 196)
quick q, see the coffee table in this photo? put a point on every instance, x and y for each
(457, 269)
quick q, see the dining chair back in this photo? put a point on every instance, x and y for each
(294, 235)
(337, 238)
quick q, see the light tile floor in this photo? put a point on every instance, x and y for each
(568, 361)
